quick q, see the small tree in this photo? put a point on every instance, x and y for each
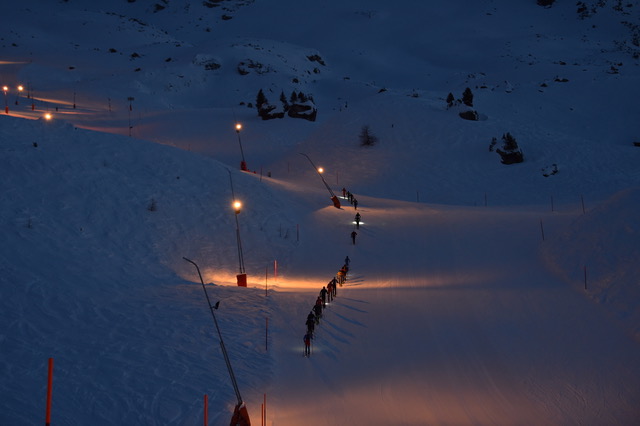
(450, 100)
(467, 97)
(510, 153)
(283, 100)
(261, 99)
(366, 137)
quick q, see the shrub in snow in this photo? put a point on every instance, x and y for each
(366, 137)
(510, 153)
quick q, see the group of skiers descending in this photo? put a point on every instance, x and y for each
(327, 294)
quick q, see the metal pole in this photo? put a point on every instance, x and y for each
(240, 143)
(224, 350)
(238, 240)
(239, 244)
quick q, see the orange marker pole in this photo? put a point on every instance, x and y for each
(206, 410)
(49, 389)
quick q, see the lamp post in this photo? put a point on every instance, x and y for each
(242, 276)
(5, 89)
(20, 89)
(243, 163)
(237, 208)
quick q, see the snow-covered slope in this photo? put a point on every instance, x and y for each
(466, 300)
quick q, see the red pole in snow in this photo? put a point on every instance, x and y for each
(49, 389)
(206, 410)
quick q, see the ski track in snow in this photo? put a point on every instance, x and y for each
(455, 336)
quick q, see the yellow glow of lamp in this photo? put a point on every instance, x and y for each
(237, 205)
(48, 116)
(238, 127)
(320, 170)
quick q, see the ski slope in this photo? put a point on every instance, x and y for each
(478, 293)
(473, 330)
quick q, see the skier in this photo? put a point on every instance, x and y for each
(311, 324)
(319, 305)
(307, 344)
(347, 260)
(318, 309)
(330, 291)
(353, 237)
(334, 285)
(355, 204)
(311, 316)
(344, 192)
(357, 219)
(323, 294)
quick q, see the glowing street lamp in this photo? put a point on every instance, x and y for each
(237, 207)
(242, 276)
(243, 163)
(5, 89)
(48, 116)
(20, 89)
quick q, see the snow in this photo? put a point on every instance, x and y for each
(478, 293)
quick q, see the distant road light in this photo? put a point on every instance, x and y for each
(48, 116)
(237, 205)
(320, 170)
